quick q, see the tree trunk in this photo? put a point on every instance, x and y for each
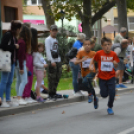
(47, 11)
(122, 13)
(87, 18)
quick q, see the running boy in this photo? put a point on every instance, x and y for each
(84, 57)
(106, 59)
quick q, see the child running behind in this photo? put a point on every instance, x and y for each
(84, 57)
(40, 65)
(107, 60)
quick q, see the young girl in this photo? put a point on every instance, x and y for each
(21, 70)
(39, 64)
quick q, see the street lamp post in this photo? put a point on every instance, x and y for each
(62, 18)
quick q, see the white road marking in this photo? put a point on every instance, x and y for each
(127, 131)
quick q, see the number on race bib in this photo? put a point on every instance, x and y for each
(86, 63)
(106, 66)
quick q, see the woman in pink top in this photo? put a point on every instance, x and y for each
(29, 64)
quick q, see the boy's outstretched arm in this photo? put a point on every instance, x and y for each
(78, 61)
(115, 64)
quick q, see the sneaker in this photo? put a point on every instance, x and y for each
(118, 86)
(122, 86)
(54, 97)
(13, 104)
(110, 111)
(22, 102)
(127, 82)
(79, 93)
(5, 105)
(39, 99)
(96, 105)
(43, 95)
(59, 96)
(90, 98)
(30, 100)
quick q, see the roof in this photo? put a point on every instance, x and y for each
(109, 29)
(40, 28)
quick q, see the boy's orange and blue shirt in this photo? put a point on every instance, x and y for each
(85, 64)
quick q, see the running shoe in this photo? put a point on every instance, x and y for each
(110, 111)
(90, 98)
(118, 86)
(122, 86)
(96, 105)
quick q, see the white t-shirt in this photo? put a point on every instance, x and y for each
(51, 44)
(41, 88)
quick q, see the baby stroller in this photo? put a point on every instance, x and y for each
(130, 73)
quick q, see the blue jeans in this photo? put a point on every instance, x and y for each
(107, 88)
(87, 82)
(22, 79)
(75, 71)
(6, 82)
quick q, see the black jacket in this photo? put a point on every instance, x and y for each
(7, 44)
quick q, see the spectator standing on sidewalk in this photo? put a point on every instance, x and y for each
(120, 50)
(9, 43)
(54, 61)
(126, 79)
(121, 35)
(96, 47)
(40, 65)
(29, 64)
(21, 69)
(75, 68)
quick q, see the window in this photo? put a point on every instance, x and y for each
(34, 2)
(131, 23)
(10, 13)
(39, 2)
(116, 23)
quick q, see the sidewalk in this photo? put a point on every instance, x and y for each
(49, 104)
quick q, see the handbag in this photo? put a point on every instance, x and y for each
(54, 54)
(5, 61)
(72, 53)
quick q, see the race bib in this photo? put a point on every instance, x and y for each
(86, 63)
(106, 66)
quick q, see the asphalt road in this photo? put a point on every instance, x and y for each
(76, 118)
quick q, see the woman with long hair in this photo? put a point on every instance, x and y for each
(29, 64)
(21, 69)
(9, 43)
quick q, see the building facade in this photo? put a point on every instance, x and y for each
(11, 10)
(112, 19)
(35, 15)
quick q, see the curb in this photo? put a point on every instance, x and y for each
(31, 107)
